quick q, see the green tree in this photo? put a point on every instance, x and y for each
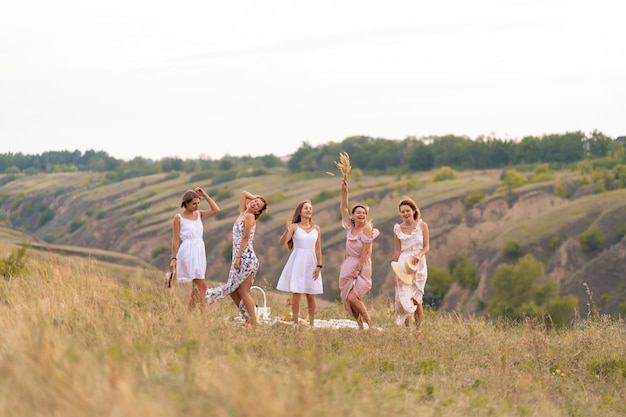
(518, 294)
(465, 273)
(439, 282)
(514, 287)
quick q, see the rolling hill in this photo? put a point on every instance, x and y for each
(129, 222)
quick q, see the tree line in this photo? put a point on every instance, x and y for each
(372, 155)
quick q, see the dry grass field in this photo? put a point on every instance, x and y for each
(85, 338)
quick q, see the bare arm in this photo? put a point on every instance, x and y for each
(318, 246)
(397, 248)
(318, 253)
(175, 240)
(425, 233)
(290, 229)
(344, 199)
(214, 207)
(243, 200)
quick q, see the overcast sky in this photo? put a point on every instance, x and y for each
(204, 78)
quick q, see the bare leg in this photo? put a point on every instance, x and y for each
(196, 298)
(236, 298)
(419, 315)
(360, 310)
(312, 305)
(295, 307)
(248, 301)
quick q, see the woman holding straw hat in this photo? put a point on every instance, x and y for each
(411, 243)
(355, 277)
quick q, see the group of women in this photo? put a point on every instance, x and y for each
(302, 273)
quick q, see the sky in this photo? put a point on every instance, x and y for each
(206, 79)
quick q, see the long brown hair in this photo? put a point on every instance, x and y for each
(296, 218)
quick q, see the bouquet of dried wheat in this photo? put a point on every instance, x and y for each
(344, 164)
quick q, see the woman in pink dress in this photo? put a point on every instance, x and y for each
(411, 242)
(355, 277)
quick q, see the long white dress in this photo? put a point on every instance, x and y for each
(297, 275)
(191, 255)
(410, 245)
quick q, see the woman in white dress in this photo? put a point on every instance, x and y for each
(411, 241)
(302, 273)
(188, 251)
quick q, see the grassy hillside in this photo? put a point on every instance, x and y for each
(75, 342)
(129, 223)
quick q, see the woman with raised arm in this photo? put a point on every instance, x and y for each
(244, 264)
(355, 277)
(188, 250)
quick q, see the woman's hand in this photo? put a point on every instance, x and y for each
(237, 263)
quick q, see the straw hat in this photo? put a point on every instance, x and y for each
(404, 272)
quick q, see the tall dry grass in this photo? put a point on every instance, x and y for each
(75, 342)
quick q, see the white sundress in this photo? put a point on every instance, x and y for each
(410, 245)
(297, 275)
(191, 255)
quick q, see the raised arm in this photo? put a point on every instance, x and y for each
(290, 228)
(344, 199)
(214, 207)
(243, 200)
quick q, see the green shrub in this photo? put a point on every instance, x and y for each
(222, 194)
(75, 225)
(473, 198)
(511, 248)
(439, 282)
(512, 179)
(324, 195)
(224, 176)
(554, 242)
(542, 173)
(444, 173)
(465, 273)
(171, 175)
(15, 263)
(591, 239)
